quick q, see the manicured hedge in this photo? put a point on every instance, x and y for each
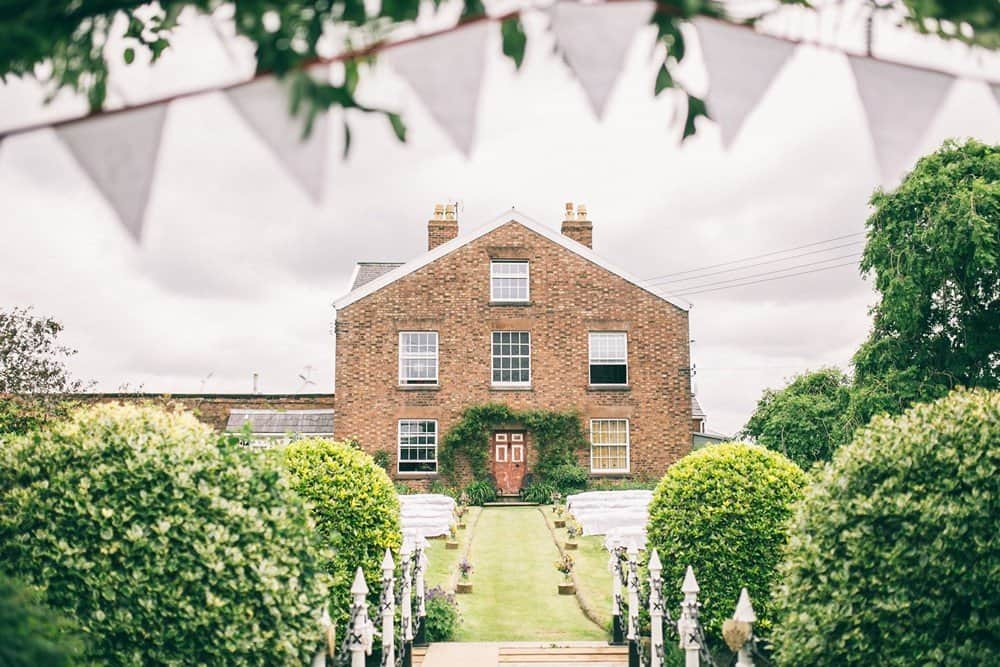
(163, 545)
(723, 510)
(355, 507)
(893, 556)
(30, 633)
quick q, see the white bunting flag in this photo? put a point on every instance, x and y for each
(900, 102)
(118, 151)
(264, 105)
(741, 64)
(995, 87)
(595, 39)
(446, 73)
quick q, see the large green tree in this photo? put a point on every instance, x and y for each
(934, 253)
(805, 421)
(64, 41)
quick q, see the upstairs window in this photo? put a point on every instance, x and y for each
(418, 357)
(608, 357)
(511, 358)
(417, 445)
(508, 281)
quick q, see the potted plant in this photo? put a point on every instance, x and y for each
(452, 542)
(460, 512)
(571, 534)
(559, 521)
(565, 566)
(464, 570)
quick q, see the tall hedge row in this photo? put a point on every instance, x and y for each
(723, 510)
(893, 556)
(162, 545)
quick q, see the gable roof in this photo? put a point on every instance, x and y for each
(361, 291)
(365, 272)
(281, 422)
(696, 410)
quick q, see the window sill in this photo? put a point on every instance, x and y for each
(494, 387)
(609, 387)
(418, 387)
(511, 303)
(611, 474)
(416, 475)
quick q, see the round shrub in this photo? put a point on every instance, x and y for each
(354, 506)
(30, 633)
(164, 546)
(892, 556)
(723, 510)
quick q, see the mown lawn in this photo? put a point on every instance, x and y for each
(442, 562)
(515, 583)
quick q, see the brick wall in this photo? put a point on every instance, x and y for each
(570, 296)
(213, 409)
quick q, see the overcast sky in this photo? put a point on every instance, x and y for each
(237, 268)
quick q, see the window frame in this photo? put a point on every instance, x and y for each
(401, 356)
(399, 448)
(494, 356)
(527, 281)
(591, 363)
(628, 447)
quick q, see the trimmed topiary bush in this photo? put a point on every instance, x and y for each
(723, 510)
(163, 545)
(892, 557)
(355, 507)
(30, 633)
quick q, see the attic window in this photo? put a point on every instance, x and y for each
(509, 280)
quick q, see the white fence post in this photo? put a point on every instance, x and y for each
(687, 624)
(421, 565)
(329, 640)
(745, 614)
(388, 609)
(407, 583)
(655, 611)
(360, 641)
(615, 565)
(633, 592)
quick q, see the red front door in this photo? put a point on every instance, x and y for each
(507, 455)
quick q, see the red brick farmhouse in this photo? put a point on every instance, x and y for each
(512, 312)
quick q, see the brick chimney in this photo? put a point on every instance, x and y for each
(577, 226)
(443, 227)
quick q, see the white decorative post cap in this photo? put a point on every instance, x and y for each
(744, 610)
(655, 567)
(690, 584)
(387, 563)
(359, 587)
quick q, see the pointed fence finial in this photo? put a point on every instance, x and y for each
(744, 609)
(387, 563)
(359, 587)
(655, 567)
(690, 584)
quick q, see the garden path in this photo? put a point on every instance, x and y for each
(515, 584)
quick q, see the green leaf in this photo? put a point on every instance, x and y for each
(663, 80)
(129, 55)
(351, 76)
(696, 107)
(473, 8)
(347, 139)
(158, 47)
(514, 40)
(398, 127)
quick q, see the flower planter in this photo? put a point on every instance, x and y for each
(560, 523)
(464, 587)
(461, 526)
(451, 544)
(570, 546)
(567, 589)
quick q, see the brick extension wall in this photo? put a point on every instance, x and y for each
(570, 296)
(213, 409)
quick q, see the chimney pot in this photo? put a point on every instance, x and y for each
(581, 212)
(569, 210)
(577, 226)
(443, 227)
(449, 212)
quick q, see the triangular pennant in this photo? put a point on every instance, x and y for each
(446, 73)
(741, 64)
(264, 105)
(118, 152)
(595, 40)
(900, 102)
(995, 87)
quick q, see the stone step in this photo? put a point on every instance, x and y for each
(523, 654)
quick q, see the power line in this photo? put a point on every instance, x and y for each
(764, 263)
(768, 273)
(746, 259)
(767, 280)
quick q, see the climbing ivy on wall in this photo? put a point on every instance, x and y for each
(557, 437)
